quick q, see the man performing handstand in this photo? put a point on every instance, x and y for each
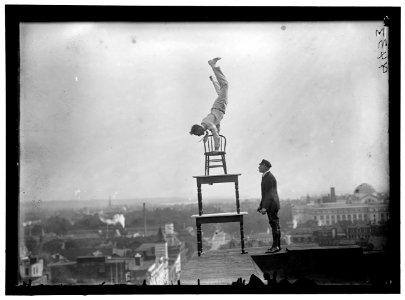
(213, 120)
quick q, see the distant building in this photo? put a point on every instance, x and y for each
(63, 272)
(32, 270)
(89, 270)
(155, 265)
(175, 256)
(364, 205)
(169, 228)
(264, 237)
(117, 263)
(161, 261)
(299, 236)
(190, 229)
(332, 236)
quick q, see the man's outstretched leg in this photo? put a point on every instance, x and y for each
(216, 85)
(218, 74)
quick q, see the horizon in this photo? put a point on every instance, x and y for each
(191, 201)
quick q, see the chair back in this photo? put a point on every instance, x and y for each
(209, 145)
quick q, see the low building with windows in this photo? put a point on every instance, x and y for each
(89, 270)
(32, 270)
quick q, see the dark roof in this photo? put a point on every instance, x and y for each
(145, 247)
(90, 259)
(62, 263)
(72, 254)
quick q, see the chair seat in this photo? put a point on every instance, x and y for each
(215, 153)
(228, 214)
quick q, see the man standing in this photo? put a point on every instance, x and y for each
(270, 203)
(213, 120)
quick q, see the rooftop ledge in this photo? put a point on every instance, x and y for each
(344, 265)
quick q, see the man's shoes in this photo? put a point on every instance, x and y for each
(213, 61)
(273, 250)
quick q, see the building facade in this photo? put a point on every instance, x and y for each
(32, 270)
(89, 270)
(363, 206)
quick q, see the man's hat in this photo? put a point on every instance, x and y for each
(266, 163)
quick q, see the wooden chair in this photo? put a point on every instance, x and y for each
(209, 147)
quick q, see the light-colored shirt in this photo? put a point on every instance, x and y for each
(210, 123)
(265, 172)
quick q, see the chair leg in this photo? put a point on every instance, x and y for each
(207, 165)
(224, 164)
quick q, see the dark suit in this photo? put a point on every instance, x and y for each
(271, 203)
(270, 199)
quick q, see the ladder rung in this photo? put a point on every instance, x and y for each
(218, 166)
(215, 160)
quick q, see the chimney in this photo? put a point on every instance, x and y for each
(332, 195)
(144, 217)
(138, 259)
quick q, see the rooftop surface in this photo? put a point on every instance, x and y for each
(324, 265)
(219, 267)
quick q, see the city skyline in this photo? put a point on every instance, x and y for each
(106, 108)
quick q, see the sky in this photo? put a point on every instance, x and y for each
(106, 108)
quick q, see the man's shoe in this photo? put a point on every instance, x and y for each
(273, 250)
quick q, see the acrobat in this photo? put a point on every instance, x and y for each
(212, 121)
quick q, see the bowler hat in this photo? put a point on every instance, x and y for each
(266, 163)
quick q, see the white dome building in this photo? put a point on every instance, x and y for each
(364, 205)
(364, 189)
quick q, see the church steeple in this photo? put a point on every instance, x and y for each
(160, 237)
(161, 245)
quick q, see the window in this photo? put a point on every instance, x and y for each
(27, 271)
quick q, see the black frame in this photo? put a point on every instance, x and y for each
(14, 14)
